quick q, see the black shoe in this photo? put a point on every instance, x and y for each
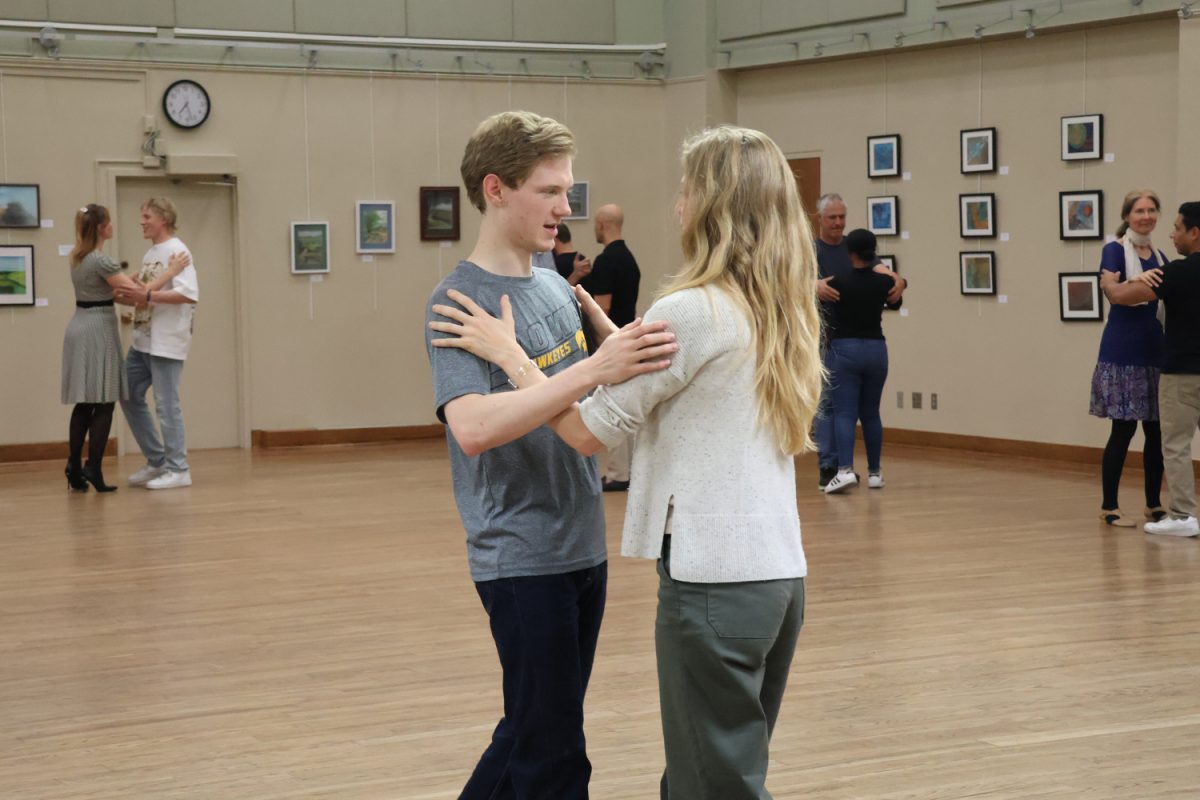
(827, 474)
(614, 486)
(75, 479)
(95, 477)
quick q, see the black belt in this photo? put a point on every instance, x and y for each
(92, 303)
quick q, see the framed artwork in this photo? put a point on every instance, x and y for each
(883, 156)
(577, 196)
(439, 213)
(1081, 215)
(978, 150)
(892, 263)
(883, 215)
(310, 247)
(977, 216)
(977, 272)
(1082, 137)
(375, 227)
(20, 205)
(16, 275)
(1079, 297)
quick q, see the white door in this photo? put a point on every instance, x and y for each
(210, 393)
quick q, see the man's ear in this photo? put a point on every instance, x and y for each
(493, 189)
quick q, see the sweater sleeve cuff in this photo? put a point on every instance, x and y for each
(605, 420)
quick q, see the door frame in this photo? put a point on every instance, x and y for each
(107, 175)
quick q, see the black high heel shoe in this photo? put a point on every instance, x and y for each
(95, 477)
(75, 481)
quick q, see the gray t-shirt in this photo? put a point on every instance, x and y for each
(532, 506)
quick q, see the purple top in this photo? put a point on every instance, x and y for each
(1132, 335)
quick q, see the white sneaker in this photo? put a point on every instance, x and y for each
(1174, 527)
(842, 481)
(875, 481)
(171, 480)
(145, 475)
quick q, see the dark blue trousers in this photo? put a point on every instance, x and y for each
(546, 628)
(860, 368)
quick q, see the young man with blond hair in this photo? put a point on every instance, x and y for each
(530, 504)
(162, 337)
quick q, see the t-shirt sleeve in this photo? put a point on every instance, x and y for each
(456, 373)
(187, 283)
(1112, 259)
(1167, 287)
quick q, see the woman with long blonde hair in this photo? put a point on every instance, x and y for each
(713, 495)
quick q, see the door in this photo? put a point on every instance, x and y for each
(210, 392)
(808, 181)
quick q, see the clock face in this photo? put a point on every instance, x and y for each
(186, 104)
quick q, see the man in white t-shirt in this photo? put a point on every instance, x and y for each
(162, 335)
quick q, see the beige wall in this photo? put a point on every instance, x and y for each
(1006, 370)
(359, 360)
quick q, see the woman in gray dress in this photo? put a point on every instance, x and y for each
(92, 373)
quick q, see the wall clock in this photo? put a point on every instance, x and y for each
(186, 104)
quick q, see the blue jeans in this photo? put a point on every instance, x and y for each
(827, 452)
(165, 375)
(860, 368)
(546, 628)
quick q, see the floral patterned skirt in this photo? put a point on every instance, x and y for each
(1125, 392)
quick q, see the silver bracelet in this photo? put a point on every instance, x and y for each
(521, 372)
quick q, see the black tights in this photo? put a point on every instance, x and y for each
(1114, 461)
(93, 421)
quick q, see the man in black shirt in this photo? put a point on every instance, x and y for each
(614, 283)
(1178, 286)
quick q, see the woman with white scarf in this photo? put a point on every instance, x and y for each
(1125, 382)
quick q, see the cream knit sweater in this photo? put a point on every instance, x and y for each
(700, 451)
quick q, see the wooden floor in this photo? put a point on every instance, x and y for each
(300, 624)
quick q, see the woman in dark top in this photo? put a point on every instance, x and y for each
(858, 360)
(1125, 382)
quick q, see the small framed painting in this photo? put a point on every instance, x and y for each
(20, 205)
(1081, 215)
(892, 263)
(577, 196)
(310, 247)
(977, 272)
(977, 216)
(439, 213)
(16, 275)
(1079, 297)
(375, 227)
(883, 156)
(1082, 137)
(883, 215)
(978, 150)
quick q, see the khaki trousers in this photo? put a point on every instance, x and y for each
(1179, 410)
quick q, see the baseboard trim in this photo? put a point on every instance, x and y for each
(43, 451)
(1069, 453)
(314, 437)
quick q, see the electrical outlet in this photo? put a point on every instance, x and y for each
(933, 401)
(899, 399)
(916, 400)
